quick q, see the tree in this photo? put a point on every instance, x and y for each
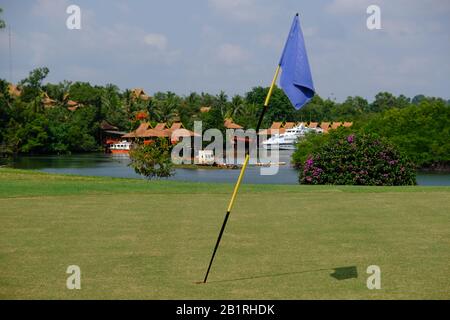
(32, 85)
(153, 159)
(280, 108)
(351, 108)
(385, 100)
(213, 120)
(2, 23)
(422, 131)
(164, 107)
(248, 116)
(235, 107)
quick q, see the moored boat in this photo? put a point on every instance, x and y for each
(122, 147)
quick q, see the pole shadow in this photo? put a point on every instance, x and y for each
(340, 273)
(273, 275)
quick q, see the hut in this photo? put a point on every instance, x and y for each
(347, 124)
(229, 124)
(325, 126)
(139, 94)
(47, 101)
(275, 128)
(14, 91)
(313, 125)
(336, 125)
(109, 134)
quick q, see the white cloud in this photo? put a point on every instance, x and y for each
(231, 54)
(156, 40)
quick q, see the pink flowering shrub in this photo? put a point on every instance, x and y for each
(349, 159)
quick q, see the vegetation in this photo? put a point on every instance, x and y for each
(420, 131)
(42, 119)
(133, 241)
(361, 159)
(2, 23)
(152, 159)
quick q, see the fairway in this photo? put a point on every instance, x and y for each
(136, 239)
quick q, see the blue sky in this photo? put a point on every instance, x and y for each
(232, 45)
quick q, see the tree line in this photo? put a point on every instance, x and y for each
(29, 125)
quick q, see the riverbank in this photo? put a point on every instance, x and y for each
(137, 239)
(107, 165)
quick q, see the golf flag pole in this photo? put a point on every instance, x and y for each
(296, 82)
(241, 174)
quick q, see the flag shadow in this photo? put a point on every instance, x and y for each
(343, 273)
(340, 273)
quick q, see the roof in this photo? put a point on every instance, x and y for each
(47, 100)
(312, 125)
(275, 128)
(114, 132)
(336, 125)
(72, 108)
(347, 124)
(14, 90)
(176, 125)
(139, 131)
(155, 133)
(72, 103)
(205, 109)
(229, 124)
(276, 125)
(105, 125)
(160, 130)
(289, 125)
(181, 132)
(160, 126)
(139, 93)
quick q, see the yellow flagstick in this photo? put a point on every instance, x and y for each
(241, 174)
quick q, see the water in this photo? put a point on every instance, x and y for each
(99, 164)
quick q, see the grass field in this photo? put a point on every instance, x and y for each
(135, 239)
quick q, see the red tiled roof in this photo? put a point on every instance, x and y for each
(289, 125)
(229, 124)
(160, 126)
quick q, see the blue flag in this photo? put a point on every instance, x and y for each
(296, 80)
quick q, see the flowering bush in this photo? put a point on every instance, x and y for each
(357, 160)
(152, 158)
(141, 115)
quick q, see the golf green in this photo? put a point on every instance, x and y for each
(136, 239)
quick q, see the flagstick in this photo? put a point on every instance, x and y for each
(241, 174)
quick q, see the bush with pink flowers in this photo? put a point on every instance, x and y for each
(356, 159)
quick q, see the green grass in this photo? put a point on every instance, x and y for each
(135, 239)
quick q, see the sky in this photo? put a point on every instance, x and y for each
(231, 45)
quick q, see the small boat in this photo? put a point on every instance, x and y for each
(122, 147)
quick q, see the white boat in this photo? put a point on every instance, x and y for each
(122, 147)
(288, 139)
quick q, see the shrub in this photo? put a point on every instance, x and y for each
(152, 159)
(355, 159)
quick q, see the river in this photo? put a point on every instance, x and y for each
(100, 164)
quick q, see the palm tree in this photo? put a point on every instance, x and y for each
(235, 107)
(165, 109)
(222, 102)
